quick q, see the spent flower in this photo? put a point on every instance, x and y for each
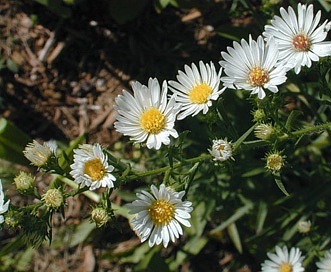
(147, 115)
(275, 161)
(196, 88)
(90, 167)
(221, 150)
(284, 261)
(158, 215)
(253, 66)
(300, 37)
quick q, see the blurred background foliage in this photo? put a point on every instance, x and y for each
(239, 212)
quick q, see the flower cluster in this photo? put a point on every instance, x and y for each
(148, 115)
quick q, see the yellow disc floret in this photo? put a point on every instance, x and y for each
(95, 169)
(152, 121)
(285, 267)
(258, 77)
(200, 93)
(161, 212)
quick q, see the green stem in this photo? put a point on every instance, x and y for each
(305, 131)
(91, 195)
(140, 175)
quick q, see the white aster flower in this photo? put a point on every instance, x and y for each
(284, 261)
(253, 66)
(147, 115)
(221, 150)
(157, 215)
(324, 265)
(91, 168)
(39, 154)
(196, 88)
(299, 37)
(3, 206)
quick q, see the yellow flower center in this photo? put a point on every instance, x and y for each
(221, 147)
(200, 93)
(285, 267)
(161, 212)
(257, 77)
(301, 42)
(152, 121)
(95, 169)
(275, 162)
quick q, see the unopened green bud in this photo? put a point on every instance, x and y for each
(24, 182)
(99, 216)
(259, 115)
(53, 198)
(12, 219)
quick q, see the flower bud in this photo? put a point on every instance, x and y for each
(38, 154)
(99, 216)
(24, 182)
(304, 226)
(264, 131)
(53, 198)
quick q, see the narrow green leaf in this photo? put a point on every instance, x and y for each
(261, 216)
(238, 214)
(281, 185)
(12, 143)
(234, 235)
(243, 137)
(57, 7)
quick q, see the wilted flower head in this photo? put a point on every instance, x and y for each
(100, 216)
(324, 264)
(275, 162)
(39, 154)
(284, 261)
(53, 198)
(3, 206)
(91, 168)
(264, 131)
(304, 226)
(158, 216)
(221, 150)
(300, 37)
(24, 182)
